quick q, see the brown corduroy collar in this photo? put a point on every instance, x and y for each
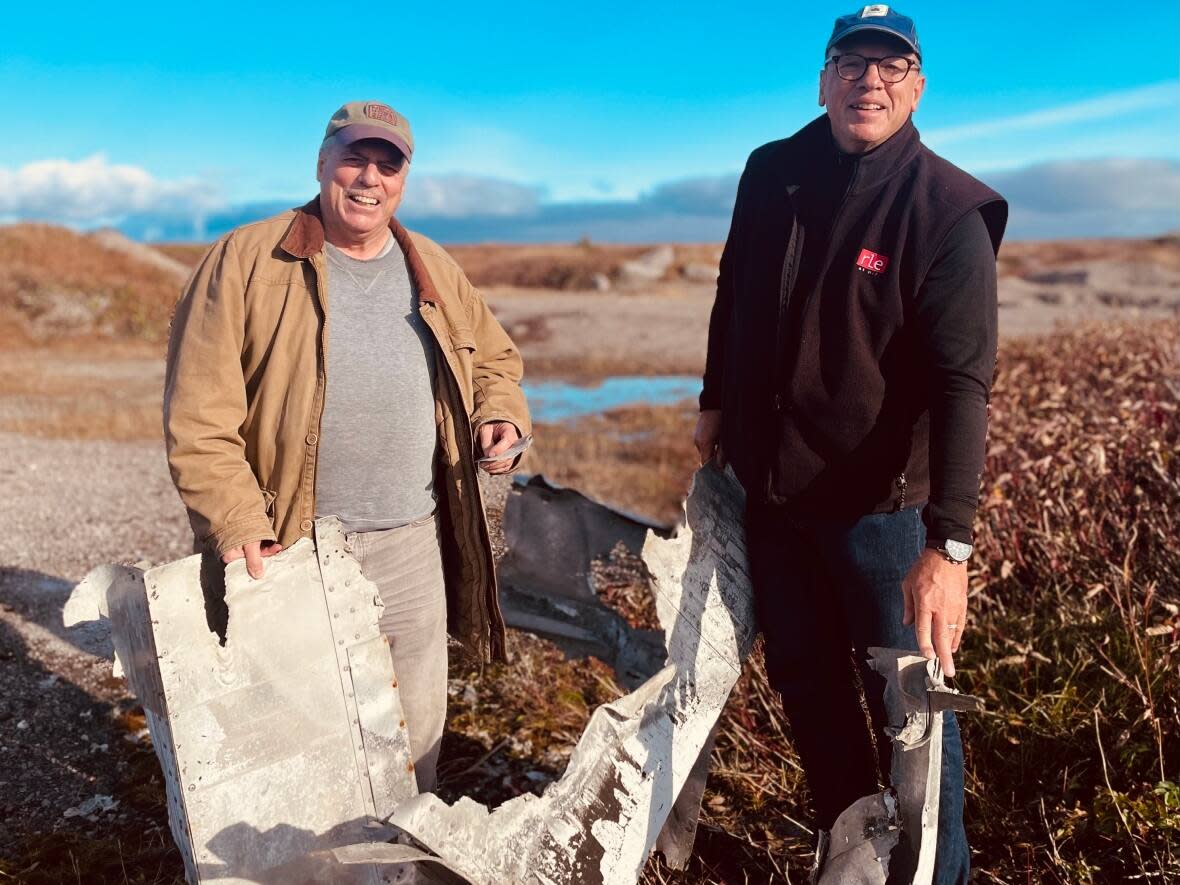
(305, 237)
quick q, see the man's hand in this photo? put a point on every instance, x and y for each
(253, 552)
(707, 437)
(496, 437)
(935, 592)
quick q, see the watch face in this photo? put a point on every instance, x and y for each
(957, 550)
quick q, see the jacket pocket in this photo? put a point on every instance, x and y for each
(463, 347)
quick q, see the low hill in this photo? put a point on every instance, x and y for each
(58, 284)
(561, 266)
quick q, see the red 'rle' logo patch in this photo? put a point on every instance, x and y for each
(871, 262)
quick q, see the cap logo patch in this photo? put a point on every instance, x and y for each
(875, 11)
(871, 263)
(383, 113)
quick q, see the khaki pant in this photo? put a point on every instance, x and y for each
(406, 565)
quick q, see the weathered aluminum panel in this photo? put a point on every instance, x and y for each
(287, 739)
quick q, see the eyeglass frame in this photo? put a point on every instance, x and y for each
(835, 59)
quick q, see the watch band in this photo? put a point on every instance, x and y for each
(957, 552)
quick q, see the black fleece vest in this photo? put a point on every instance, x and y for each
(832, 411)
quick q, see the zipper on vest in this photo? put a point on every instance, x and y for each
(778, 372)
(786, 281)
(827, 262)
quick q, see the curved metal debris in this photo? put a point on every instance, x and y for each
(599, 822)
(896, 831)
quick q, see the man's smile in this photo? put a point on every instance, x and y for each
(364, 199)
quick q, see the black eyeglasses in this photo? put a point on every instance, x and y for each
(892, 68)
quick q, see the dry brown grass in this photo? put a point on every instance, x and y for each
(541, 266)
(638, 458)
(187, 254)
(58, 285)
(588, 368)
(564, 266)
(1019, 258)
(1074, 771)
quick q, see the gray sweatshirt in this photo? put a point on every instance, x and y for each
(378, 435)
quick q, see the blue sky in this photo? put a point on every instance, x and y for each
(521, 111)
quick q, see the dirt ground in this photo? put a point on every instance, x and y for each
(67, 733)
(593, 335)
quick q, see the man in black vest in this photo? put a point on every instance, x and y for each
(851, 351)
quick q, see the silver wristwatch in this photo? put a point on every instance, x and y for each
(952, 551)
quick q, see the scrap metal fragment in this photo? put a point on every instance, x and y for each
(286, 739)
(550, 530)
(896, 832)
(858, 849)
(599, 822)
(680, 829)
(553, 535)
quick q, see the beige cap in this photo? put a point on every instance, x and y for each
(371, 119)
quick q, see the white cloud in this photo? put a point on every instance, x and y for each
(461, 196)
(1058, 199)
(94, 191)
(1156, 96)
(1063, 198)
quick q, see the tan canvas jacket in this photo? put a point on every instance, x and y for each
(244, 393)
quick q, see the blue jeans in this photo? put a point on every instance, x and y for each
(825, 590)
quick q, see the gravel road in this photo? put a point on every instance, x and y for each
(65, 734)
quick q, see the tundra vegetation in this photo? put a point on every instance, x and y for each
(1073, 638)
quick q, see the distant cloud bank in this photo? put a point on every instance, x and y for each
(1082, 198)
(1092, 198)
(95, 192)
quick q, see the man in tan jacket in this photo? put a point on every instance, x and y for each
(424, 384)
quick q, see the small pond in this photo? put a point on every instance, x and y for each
(562, 400)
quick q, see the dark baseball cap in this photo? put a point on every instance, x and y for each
(877, 17)
(358, 120)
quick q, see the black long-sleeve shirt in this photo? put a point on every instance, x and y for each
(957, 326)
